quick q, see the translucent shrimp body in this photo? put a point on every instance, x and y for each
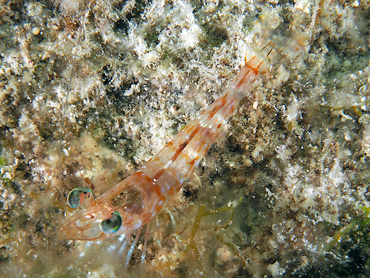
(136, 200)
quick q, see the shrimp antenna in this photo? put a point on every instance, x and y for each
(69, 85)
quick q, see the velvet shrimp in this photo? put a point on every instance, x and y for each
(139, 198)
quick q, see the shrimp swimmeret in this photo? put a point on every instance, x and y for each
(135, 201)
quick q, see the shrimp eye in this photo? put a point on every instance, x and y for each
(112, 224)
(77, 195)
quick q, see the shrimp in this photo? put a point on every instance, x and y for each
(138, 199)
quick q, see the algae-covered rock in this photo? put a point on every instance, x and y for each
(90, 90)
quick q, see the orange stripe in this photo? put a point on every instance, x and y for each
(158, 174)
(179, 150)
(217, 107)
(184, 144)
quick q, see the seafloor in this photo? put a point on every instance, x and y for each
(90, 90)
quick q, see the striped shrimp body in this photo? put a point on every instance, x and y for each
(139, 198)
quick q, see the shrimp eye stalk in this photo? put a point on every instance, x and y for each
(112, 224)
(78, 196)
